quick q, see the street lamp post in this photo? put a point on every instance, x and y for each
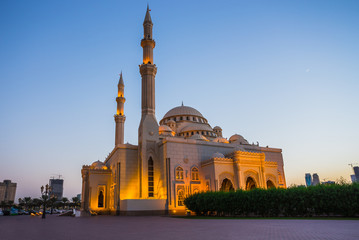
(45, 192)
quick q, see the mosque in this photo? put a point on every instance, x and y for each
(178, 156)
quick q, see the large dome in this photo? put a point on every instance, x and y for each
(182, 111)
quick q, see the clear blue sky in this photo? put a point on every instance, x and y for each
(284, 73)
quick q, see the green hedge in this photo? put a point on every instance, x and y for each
(337, 200)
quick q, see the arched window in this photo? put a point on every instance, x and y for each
(194, 174)
(179, 173)
(100, 199)
(181, 118)
(150, 178)
(180, 197)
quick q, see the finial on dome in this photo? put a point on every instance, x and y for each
(182, 103)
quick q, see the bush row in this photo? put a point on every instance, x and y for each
(337, 200)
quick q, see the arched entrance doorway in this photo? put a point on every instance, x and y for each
(270, 184)
(250, 184)
(226, 185)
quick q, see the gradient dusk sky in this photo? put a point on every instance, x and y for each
(283, 73)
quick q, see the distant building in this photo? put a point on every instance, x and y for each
(57, 188)
(356, 173)
(79, 196)
(315, 179)
(354, 179)
(7, 191)
(328, 183)
(308, 179)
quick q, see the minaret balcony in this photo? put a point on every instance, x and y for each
(148, 69)
(148, 42)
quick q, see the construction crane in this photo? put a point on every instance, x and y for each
(55, 175)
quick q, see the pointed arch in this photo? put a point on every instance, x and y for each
(270, 184)
(250, 183)
(226, 185)
(179, 173)
(194, 174)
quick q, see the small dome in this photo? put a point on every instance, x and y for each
(164, 128)
(220, 139)
(199, 137)
(217, 155)
(182, 111)
(98, 165)
(217, 128)
(171, 121)
(238, 139)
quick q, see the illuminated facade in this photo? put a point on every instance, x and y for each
(175, 157)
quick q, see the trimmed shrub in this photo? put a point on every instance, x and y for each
(321, 200)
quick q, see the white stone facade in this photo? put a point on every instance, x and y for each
(178, 156)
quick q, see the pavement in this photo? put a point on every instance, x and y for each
(124, 227)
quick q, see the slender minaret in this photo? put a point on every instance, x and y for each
(148, 70)
(119, 116)
(148, 129)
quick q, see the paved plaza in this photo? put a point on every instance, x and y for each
(119, 227)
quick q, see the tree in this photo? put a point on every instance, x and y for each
(21, 203)
(27, 202)
(52, 202)
(65, 202)
(76, 202)
(36, 202)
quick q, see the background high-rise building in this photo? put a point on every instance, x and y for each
(7, 191)
(356, 173)
(353, 178)
(315, 179)
(57, 188)
(308, 179)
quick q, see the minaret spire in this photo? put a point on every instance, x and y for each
(119, 116)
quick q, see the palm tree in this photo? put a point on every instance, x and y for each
(52, 202)
(65, 202)
(21, 203)
(76, 202)
(36, 202)
(27, 202)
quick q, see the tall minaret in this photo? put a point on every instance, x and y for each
(119, 116)
(148, 70)
(148, 129)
